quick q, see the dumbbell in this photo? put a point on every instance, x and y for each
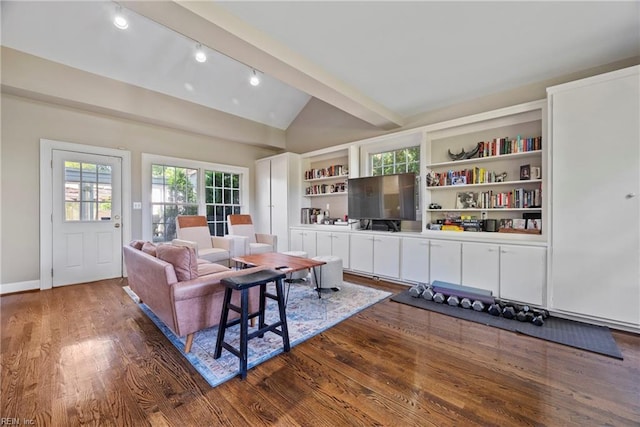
(495, 310)
(465, 303)
(416, 290)
(453, 300)
(439, 297)
(509, 312)
(541, 312)
(525, 316)
(538, 320)
(428, 293)
(478, 305)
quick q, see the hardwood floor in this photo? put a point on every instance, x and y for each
(86, 354)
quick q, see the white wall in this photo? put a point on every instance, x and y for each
(25, 121)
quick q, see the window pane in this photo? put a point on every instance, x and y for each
(157, 212)
(191, 210)
(104, 193)
(218, 196)
(414, 167)
(236, 210)
(220, 214)
(212, 228)
(376, 161)
(88, 211)
(400, 168)
(218, 179)
(401, 156)
(72, 211)
(228, 210)
(235, 182)
(236, 197)
(211, 213)
(227, 180)
(227, 196)
(208, 178)
(220, 229)
(89, 191)
(208, 195)
(72, 191)
(388, 170)
(377, 171)
(387, 158)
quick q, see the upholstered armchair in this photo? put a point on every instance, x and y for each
(193, 231)
(248, 242)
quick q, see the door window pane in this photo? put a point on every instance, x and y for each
(87, 191)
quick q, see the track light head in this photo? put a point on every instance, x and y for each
(254, 80)
(200, 55)
(119, 20)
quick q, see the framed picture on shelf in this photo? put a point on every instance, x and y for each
(466, 200)
(534, 224)
(506, 223)
(525, 172)
(458, 180)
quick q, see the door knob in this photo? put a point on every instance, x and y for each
(630, 196)
(116, 225)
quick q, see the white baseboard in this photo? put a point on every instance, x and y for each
(9, 288)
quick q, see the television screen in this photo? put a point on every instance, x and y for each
(383, 197)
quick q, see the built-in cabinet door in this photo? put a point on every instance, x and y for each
(414, 264)
(361, 252)
(523, 273)
(481, 266)
(595, 266)
(445, 261)
(386, 256)
(279, 200)
(297, 237)
(323, 243)
(309, 241)
(340, 247)
(262, 214)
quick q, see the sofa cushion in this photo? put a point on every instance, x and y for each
(149, 248)
(182, 258)
(210, 268)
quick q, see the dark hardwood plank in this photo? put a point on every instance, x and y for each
(87, 355)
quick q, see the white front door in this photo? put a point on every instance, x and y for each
(86, 219)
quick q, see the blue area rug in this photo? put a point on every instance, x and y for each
(307, 316)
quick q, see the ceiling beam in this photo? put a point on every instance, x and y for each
(216, 28)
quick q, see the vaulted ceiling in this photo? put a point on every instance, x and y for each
(382, 62)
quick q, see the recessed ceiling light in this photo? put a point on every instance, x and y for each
(200, 55)
(119, 20)
(254, 80)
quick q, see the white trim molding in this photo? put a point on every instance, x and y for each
(9, 288)
(46, 203)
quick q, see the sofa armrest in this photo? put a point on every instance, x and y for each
(240, 245)
(270, 239)
(205, 285)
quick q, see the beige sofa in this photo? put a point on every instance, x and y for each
(184, 292)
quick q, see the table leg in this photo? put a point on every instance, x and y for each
(244, 331)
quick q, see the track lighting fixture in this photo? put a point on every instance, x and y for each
(200, 55)
(254, 80)
(119, 20)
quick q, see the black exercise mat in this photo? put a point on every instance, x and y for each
(597, 339)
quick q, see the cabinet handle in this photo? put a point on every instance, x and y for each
(504, 251)
(490, 250)
(630, 196)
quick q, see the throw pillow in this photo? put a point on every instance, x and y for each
(182, 258)
(149, 248)
(136, 244)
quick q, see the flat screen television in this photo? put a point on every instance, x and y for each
(386, 197)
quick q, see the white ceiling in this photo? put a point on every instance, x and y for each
(390, 59)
